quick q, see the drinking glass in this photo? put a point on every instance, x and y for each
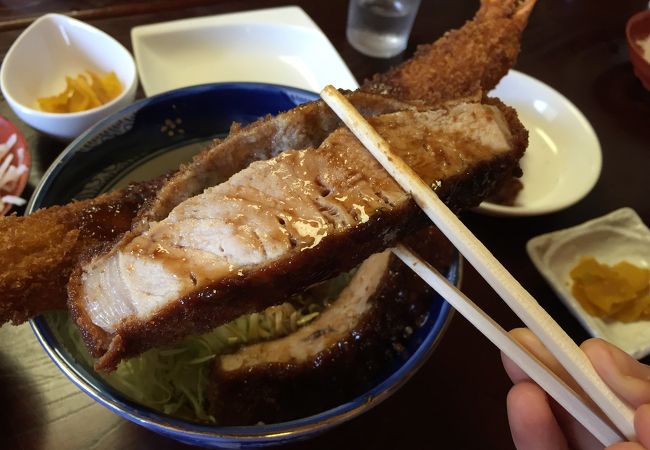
(380, 28)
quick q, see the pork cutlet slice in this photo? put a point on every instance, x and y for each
(283, 224)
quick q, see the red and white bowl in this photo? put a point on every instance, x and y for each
(637, 28)
(21, 156)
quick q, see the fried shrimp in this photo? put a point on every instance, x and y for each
(463, 63)
(38, 252)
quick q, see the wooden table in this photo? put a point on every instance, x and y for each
(457, 400)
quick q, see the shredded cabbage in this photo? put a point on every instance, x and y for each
(174, 380)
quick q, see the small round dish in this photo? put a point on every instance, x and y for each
(563, 160)
(20, 157)
(149, 138)
(638, 28)
(51, 48)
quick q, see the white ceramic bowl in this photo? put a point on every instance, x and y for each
(51, 48)
(563, 160)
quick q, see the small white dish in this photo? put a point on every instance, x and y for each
(563, 160)
(617, 236)
(51, 48)
(277, 45)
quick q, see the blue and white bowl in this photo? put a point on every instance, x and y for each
(136, 141)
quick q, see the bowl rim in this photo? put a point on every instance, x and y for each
(629, 29)
(126, 91)
(209, 434)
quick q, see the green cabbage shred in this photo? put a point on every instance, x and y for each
(174, 380)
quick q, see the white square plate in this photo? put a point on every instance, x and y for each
(277, 45)
(617, 236)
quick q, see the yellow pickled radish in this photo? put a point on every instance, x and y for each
(620, 292)
(82, 93)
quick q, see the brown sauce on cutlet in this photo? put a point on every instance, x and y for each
(432, 153)
(105, 221)
(277, 392)
(191, 273)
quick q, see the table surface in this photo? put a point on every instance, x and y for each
(457, 400)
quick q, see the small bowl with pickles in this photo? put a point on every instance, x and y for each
(62, 75)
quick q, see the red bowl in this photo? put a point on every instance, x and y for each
(638, 27)
(20, 157)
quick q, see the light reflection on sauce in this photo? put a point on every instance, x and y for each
(362, 216)
(315, 229)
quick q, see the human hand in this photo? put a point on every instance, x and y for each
(538, 423)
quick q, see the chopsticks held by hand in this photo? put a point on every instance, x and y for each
(546, 379)
(516, 297)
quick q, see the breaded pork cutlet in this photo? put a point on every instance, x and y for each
(281, 225)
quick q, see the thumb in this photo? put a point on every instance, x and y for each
(642, 427)
(627, 377)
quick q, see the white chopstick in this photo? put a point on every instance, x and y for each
(538, 372)
(516, 297)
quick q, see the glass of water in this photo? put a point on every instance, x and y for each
(380, 28)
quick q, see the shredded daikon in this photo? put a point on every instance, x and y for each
(10, 173)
